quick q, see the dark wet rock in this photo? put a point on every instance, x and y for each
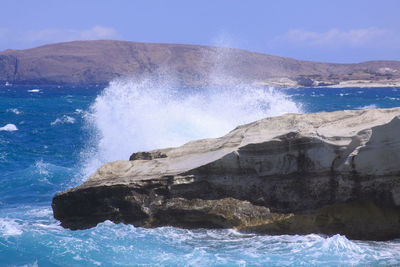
(147, 155)
(304, 81)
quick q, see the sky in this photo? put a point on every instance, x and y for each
(342, 31)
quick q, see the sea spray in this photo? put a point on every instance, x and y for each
(137, 115)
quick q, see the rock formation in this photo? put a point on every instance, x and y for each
(324, 173)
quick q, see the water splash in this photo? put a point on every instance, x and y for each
(372, 106)
(132, 115)
(9, 128)
(9, 227)
(63, 120)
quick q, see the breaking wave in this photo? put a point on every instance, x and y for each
(372, 106)
(14, 110)
(135, 115)
(9, 127)
(63, 120)
(9, 227)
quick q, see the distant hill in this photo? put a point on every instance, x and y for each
(98, 62)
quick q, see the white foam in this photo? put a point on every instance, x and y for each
(343, 94)
(133, 115)
(78, 111)
(40, 212)
(372, 106)
(34, 91)
(14, 110)
(392, 98)
(9, 227)
(63, 120)
(42, 167)
(9, 127)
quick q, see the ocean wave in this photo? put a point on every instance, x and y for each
(392, 98)
(63, 120)
(79, 111)
(344, 94)
(371, 106)
(14, 110)
(202, 247)
(34, 91)
(10, 227)
(9, 127)
(111, 244)
(131, 115)
(35, 183)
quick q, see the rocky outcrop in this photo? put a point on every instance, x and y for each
(325, 173)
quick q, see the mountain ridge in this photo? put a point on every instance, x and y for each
(100, 61)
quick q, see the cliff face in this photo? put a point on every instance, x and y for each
(326, 173)
(98, 62)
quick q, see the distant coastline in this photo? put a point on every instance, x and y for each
(339, 84)
(99, 62)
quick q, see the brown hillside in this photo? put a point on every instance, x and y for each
(98, 62)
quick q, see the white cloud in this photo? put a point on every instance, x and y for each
(335, 37)
(62, 35)
(98, 32)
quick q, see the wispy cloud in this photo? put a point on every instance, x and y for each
(62, 35)
(336, 37)
(98, 32)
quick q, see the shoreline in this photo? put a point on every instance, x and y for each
(331, 84)
(346, 84)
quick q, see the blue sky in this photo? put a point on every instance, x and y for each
(320, 30)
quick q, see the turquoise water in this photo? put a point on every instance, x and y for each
(54, 137)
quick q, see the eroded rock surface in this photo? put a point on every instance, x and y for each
(326, 173)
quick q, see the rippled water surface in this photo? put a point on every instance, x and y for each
(53, 137)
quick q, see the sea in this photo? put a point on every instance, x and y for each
(53, 137)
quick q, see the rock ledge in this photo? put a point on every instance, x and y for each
(324, 173)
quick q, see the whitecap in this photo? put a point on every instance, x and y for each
(9, 128)
(81, 112)
(40, 212)
(95, 262)
(63, 120)
(42, 167)
(77, 258)
(343, 94)
(372, 106)
(392, 98)
(9, 227)
(14, 110)
(34, 91)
